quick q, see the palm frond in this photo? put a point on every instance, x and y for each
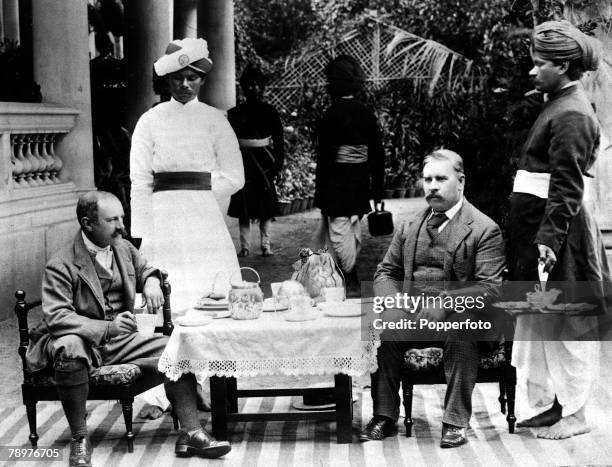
(424, 58)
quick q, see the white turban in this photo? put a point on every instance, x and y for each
(192, 53)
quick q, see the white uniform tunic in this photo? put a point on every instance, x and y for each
(184, 231)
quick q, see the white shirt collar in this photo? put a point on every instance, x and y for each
(571, 83)
(187, 104)
(104, 256)
(91, 246)
(455, 209)
(450, 213)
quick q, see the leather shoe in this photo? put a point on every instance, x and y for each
(377, 429)
(201, 444)
(453, 436)
(80, 452)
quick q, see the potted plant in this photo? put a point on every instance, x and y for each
(389, 181)
(413, 176)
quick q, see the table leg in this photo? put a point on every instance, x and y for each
(232, 395)
(344, 408)
(218, 407)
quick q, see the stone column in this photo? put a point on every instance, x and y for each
(185, 19)
(1, 21)
(10, 15)
(148, 32)
(216, 25)
(61, 67)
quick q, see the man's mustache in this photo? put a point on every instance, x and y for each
(121, 232)
(430, 197)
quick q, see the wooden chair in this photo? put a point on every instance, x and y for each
(425, 366)
(112, 382)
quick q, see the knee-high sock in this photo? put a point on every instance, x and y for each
(72, 380)
(182, 396)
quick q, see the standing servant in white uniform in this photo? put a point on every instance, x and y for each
(185, 164)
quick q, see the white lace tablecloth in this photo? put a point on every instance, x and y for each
(270, 345)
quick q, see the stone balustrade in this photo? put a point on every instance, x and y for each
(34, 160)
(30, 135)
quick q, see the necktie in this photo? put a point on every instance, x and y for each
(435, 221)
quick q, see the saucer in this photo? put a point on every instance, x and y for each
(269, 305)
(193, 320)
(222, 314)
(340, 309)
(301, 316)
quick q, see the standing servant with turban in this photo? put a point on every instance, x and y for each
(350, 165)
(185, 165)
(260, 135)
(548, 225)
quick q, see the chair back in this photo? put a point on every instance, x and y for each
(22, 308)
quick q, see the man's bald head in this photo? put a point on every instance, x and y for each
(87, 205)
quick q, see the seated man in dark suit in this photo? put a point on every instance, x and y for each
(450, 250)
(88, 302)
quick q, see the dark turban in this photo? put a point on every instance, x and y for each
(344, 75)
(252, 74)
(561, 41)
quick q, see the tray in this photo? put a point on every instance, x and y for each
(512, 305)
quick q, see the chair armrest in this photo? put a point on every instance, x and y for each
(168, 326)
(21, 310)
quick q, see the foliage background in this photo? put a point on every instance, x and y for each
(484, 121)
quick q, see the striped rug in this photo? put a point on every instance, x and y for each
(313, 443)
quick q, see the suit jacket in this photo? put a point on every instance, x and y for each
(564, 142)
(72, 297)
(474, 258)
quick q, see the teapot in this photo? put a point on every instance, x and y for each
(245, 298)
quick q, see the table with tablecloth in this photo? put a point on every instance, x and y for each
(226, 349)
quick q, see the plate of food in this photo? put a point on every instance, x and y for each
(271, 304)
(208, 303)
(569, 307)
(512, 305)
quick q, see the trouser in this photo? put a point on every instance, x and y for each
(265, 226)
(73, 358)
(460, 357)
(343, 235)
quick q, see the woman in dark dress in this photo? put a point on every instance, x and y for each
(260, 135)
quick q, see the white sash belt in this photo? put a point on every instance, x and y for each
(533, 183)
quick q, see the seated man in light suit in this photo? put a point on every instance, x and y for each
(451, 243)
(88, 301)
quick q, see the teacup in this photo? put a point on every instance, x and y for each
(333, 294)
(146, 323)
(300, 303)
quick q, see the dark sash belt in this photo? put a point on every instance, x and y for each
(165, 181)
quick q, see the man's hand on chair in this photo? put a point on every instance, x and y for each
(124, 323)
(152, 295)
